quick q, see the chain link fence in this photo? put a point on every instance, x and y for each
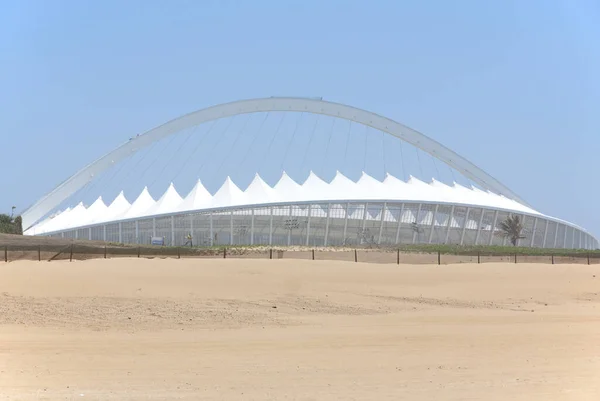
(74, 252)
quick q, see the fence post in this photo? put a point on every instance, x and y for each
(439, 258)
(178, 253)
(588, 257)
(139, 251)
(104, 251)
(6, 253)
(71, 254)
(398, 256)
(270, 253)
(355, 256)
(224, 253)
(39, 253)
(313, 254)
(515, 258)
(552, 258)
(478, 257)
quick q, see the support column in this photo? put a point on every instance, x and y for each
(192, 230)
(90, 233)
(212, 234)
(271, 226)
(580, 240)
(464, 229)
(327, 224)
(399, 223)
(308, 225)
(364, 223)
(77, 233)
(522, 222)
(493, 229)
(346, 223)
(565, 238)
(154, 227)
(556, 225)
(289, 236)
(231, 227)
(120, 233)
(435, 212)
(573, 239)
(479, 227)
(383, 209)
(172, 230)
(449, 225)
(104, 232)
(137, 231)
(532, 242)
(252, 228)
(414, 238)
(545, 233)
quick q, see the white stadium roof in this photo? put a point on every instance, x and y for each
(314, 189)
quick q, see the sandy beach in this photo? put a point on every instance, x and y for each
(235, 329)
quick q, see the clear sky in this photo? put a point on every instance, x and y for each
(514, 86)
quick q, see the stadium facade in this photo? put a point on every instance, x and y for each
(314, 212)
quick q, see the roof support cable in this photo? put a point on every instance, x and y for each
(202, 138)
(420, 165)
(383, 151)
(137, 163)
(164, 166)
(439, 177)
(106, 179)
(404, 178)
(249, 147)
(265, 158)
(310, 140)
(214, 146)
(347, 143)
(178, 150)
(366, 143)
(291, 140)
(327, 147)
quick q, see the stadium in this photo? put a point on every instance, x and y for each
(289, 171)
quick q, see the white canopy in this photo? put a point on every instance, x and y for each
(314, 189)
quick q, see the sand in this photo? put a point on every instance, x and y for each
(199, 329)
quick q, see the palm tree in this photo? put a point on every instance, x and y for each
(512, 228)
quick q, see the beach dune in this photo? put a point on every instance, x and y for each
(235, 329)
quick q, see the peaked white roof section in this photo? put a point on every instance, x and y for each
(140, 206)
(368, 187)
(94, 212)
(198, 198)
(168, 202)
(342, 187)
(314, 188)
(117, 208)
(260, 192)
(288, 189)
(228, 195)
(75, 216)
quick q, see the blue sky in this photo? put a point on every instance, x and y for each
(513, 86)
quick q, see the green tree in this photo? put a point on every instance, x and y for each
(5, 224)
(8, 225)
(512, 228)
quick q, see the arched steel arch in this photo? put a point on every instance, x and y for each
(309, 105)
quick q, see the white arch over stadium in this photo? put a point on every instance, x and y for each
(291, 104)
